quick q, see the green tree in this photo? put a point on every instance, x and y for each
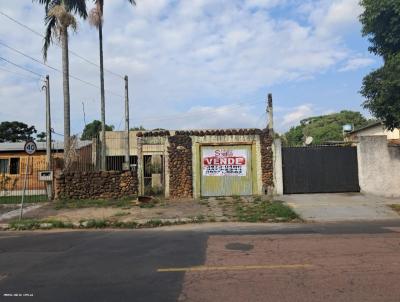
(93, 129)
(323, 128)
(15, 132)
(41, 137)
(381, 88)
(140, 128)
(59, 17)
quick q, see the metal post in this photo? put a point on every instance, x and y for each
(140, 166)
(48, 137)
(23, 191)
(127, 146)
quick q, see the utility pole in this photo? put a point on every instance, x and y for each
(48, 136)
(103, 103)
(270, 113)
(127, 146)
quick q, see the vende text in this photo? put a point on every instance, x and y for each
(220, 161)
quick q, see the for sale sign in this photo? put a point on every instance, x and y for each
(220, 162)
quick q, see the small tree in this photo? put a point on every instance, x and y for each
(93, 129)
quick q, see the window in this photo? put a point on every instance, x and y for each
(3, 165)
(14, 165)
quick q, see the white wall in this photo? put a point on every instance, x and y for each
(378, 166)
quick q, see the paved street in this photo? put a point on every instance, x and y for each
(215, 262)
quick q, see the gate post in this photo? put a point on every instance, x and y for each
(140, 165)
(277, 166)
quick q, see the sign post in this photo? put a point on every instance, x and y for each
(30, 149)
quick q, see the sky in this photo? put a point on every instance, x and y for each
(191, 64)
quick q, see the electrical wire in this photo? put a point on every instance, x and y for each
(191, 114)
(21, 67)
(58, 44)
(55, 69)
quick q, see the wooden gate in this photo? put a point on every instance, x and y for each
(320, 169)
(226, 170)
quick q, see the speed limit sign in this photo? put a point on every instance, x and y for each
(30, 147)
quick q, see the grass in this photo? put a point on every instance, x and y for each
(263, 211)
(124, 203)
(27, 199)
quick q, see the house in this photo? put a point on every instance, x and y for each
(17, 167)
(375, 129)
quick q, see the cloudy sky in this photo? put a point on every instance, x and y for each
(192, 63)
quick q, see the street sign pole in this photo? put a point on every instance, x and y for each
(30, 149)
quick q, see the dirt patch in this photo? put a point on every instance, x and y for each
(206, 209)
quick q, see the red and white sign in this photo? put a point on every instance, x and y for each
(220, 162)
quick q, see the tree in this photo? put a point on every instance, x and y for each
(323, 128)
(15, 132)
(140, 128)
(41, 137)
(96, 20)
(93, 129)
(381, 88)
(59, 17)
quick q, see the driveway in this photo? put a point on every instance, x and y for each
(341, 207)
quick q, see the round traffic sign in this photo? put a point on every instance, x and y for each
(30, 147)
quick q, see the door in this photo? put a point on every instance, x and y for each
(226, 170)
(320, 169)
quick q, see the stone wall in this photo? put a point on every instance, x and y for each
(267, 166)
(95, 185)
(180, 166)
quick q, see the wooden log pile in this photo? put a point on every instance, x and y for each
(266, 140)
(180, 166)
(95, 185)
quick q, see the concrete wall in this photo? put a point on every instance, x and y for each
(378, 166)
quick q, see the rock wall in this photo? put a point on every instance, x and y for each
(180, 166)
(95, 185)
(267, 166)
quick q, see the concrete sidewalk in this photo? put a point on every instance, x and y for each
(341, 207)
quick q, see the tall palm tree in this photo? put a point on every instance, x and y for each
(59, 16)
(96, 20)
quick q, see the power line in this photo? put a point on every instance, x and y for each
(55, 69)
(21, 67)
(191, 114)
(58, 44)
(17, 73)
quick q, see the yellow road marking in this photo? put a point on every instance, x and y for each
(233, 268)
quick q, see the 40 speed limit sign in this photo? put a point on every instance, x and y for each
(30, 147)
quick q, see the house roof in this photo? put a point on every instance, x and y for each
(367, 127)
(41, 146)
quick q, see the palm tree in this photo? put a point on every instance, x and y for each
(96, 20)
(59, 16)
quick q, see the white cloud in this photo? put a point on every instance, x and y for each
(181, 56)
(333, 16)
(296, 115)
(357, 63)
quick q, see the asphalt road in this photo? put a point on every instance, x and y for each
(309, 262)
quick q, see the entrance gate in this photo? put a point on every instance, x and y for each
(320, 169)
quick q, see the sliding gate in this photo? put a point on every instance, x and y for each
(320, 169)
